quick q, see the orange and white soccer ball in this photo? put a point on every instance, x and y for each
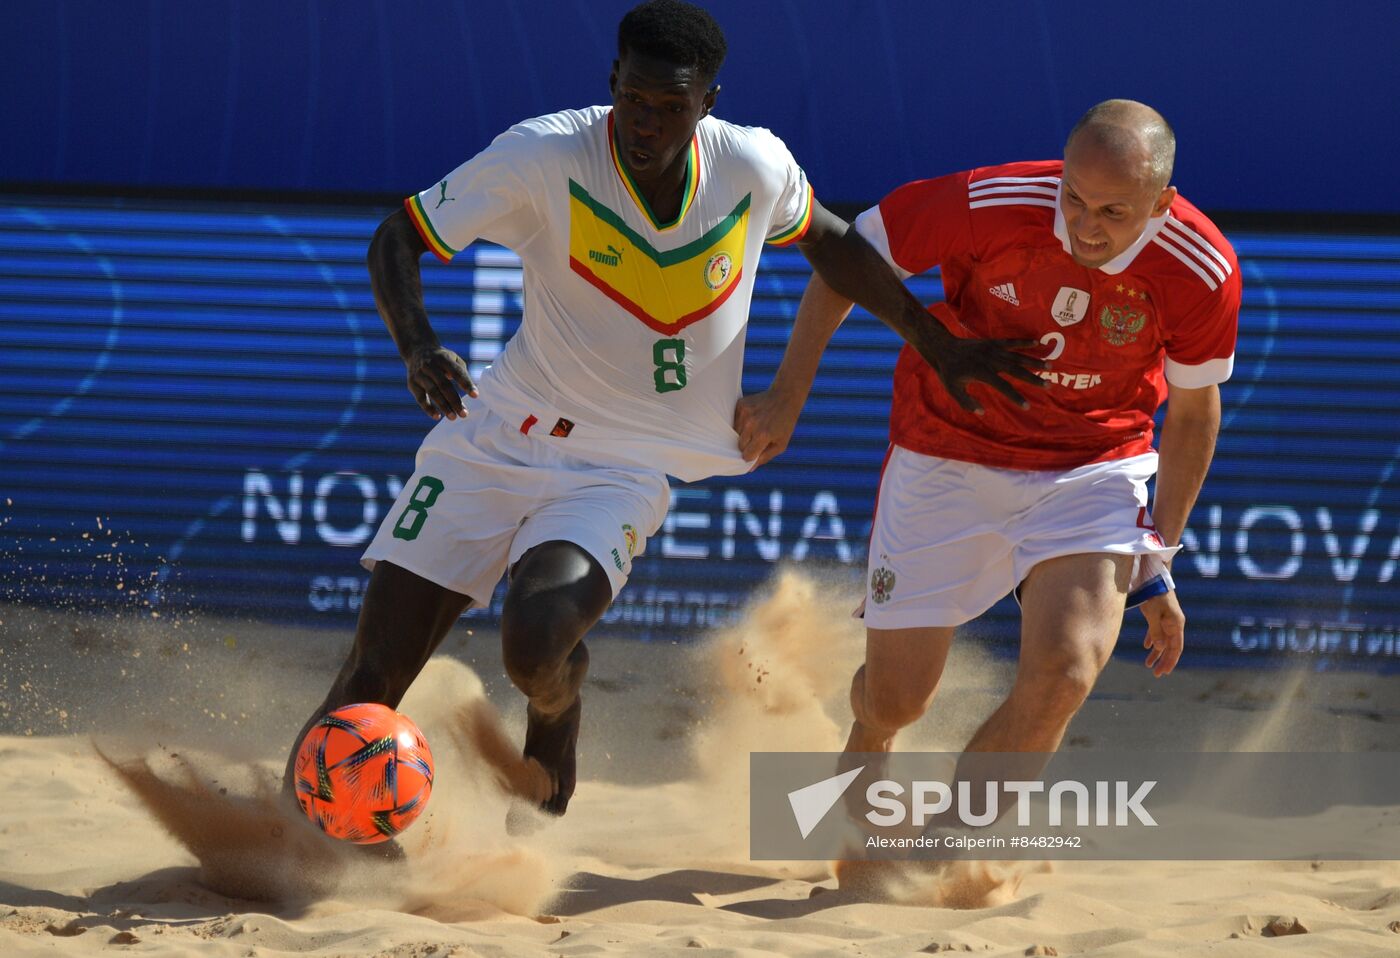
(363, 773)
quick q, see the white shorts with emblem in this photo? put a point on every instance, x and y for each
(482, 494)
(951, 538)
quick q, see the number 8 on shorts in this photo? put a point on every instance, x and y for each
(416, 512)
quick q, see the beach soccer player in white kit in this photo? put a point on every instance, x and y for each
(639, 226)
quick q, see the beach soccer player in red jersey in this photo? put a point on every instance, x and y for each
(1133, 295)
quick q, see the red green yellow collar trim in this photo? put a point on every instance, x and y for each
(692, 180)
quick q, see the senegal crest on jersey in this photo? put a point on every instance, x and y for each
(665, 289)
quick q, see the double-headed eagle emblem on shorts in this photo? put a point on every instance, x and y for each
(881, 585)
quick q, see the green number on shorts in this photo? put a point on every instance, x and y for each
(416, 512)
(669, 357)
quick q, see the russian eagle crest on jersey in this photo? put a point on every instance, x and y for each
(1121, 324)
(633, 327)
(1164, 310)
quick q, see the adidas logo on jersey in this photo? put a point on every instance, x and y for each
(1006, 291)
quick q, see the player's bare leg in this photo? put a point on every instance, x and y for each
(895, 686)
(403, 619)
(891, 691)
(1071, 614)
(557, 592)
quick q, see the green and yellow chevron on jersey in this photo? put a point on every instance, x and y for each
(665, 289)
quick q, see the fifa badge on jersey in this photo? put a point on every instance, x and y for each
(1121, 324)
(717, 270)
(881, 585)
(1070, 306)
(630, 535)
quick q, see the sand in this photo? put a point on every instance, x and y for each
(140, 756)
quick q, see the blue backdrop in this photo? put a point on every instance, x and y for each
(200, 408)
(1279, 104)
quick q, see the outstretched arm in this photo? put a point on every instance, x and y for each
(765, 421)
(434, 372)
(849, 270)
(1186, 449)
(853, 269)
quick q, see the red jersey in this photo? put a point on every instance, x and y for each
(1164, 310)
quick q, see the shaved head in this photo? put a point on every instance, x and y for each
(1130, 135)
(1116, 177)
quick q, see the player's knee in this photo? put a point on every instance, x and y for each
(535, 642)
(897, 710)
(557, 617)
(889, 705)
(529, 670)
(541, 669)
(535, 622)
(1062, 683)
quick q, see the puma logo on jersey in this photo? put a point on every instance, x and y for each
(613, 257)
(1006, 291)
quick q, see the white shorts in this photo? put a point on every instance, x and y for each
(951, 539)
(483, 494)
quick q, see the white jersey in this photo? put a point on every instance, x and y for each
(632, 344)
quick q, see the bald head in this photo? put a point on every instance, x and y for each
(1116, 177)
(1131, 136)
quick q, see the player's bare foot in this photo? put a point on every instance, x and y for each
(552, 741)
